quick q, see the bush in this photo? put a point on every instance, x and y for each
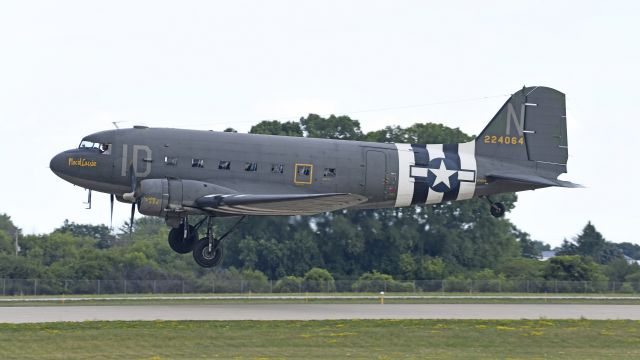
(376, 282)
(254, 281)
(288, 284)
(634, 281)
(626, 288)
(319, 280)
(456, 284)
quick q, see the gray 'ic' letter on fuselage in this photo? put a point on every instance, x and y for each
(512, 116)
(137, 149)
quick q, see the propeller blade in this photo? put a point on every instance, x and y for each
(111, 198)
(134, 181)
(88, 203)
(133, 213)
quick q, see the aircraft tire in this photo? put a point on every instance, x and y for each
(178, 243)
(204, 257)
(497, 210)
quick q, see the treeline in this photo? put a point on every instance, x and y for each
(457, 240)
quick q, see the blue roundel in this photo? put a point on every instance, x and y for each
(442, 178)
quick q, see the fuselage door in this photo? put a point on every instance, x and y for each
(375, 175)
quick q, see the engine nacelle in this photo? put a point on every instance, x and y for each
(161, 197)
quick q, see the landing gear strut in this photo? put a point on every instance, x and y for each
(497, 209)
(207, 252)
(182, 238)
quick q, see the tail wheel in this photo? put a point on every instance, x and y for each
(206, 257)
(497, 209)
(179, 243)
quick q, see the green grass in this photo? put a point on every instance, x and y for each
(371, 339)
(430, 298)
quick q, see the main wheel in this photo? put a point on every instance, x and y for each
(497, 210)
(203, 256)
(179, 243)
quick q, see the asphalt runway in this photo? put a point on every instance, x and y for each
(317, 312)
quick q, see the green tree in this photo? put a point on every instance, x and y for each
(619, 269)
(275, 127)
(318, 279)
(590, 242)
(528, 248)
(571, 268)
(432, 269)
(630, 250)
(522, 269)
(100, 233)
(333, 127)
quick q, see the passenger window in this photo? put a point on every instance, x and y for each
(170, 160)
(224, 165)
(197, 163)
(303, 174)
(250, 166)
(304, 170)
(277, 168)
(329, 172)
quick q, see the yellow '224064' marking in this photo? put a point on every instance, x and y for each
(508, 140)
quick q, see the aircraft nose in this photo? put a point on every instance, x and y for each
(57, 163)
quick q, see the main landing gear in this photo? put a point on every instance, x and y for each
(182, 238)
(207, 252)
(497, 209)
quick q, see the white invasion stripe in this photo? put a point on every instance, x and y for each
(419, 171)
(435, 151)
(466, 175)
(406, 159)
(434, 197)
(467, 154)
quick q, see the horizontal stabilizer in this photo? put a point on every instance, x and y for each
(287, 204)
(532, 179)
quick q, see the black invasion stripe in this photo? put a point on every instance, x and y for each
(451, 153)
(420, 187)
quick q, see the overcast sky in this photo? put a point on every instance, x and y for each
(68, 69)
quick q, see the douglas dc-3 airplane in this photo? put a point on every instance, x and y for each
(175, 174)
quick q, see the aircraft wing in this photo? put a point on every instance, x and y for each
(287, 204)
(532, 179)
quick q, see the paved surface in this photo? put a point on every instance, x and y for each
(317, 312)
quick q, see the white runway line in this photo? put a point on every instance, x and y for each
(318, 312)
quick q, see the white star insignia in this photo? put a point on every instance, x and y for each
(442, 175)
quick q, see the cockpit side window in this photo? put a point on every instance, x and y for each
(106, 149)
(102, 148)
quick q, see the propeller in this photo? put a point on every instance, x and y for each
(88, 203)
(133, 214)
(111, 199)
(133, 197)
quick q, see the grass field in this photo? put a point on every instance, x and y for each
(371, 339)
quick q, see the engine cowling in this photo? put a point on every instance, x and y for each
(162, 197)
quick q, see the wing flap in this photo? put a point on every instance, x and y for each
(286, 204)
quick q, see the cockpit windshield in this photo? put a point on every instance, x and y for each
(103, 148)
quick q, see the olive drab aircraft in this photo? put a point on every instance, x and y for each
(176, 174)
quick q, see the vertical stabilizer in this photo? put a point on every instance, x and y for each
(531, 129)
